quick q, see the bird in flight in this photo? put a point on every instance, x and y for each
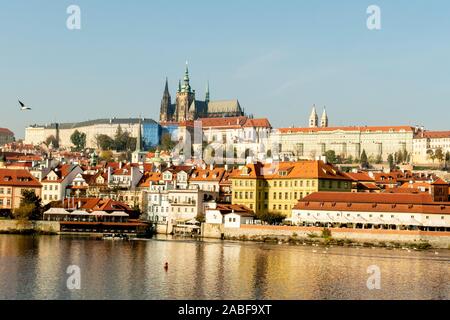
(23, 107)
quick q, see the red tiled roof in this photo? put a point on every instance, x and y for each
(18, 178)
(237, 208)
(348, 128)
(373, 202)
(435, 134)
(310, 169)
(439, 182)
(6, 131)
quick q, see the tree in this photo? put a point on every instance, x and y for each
(379, 159)
(431, 154)
(52, 140)
(30, 207)
(79, 140)
(106, 155)
(447, 158)
(439, 155)
(364, 161)
(166, 142)
(390, 160)
(330, 155)
(105, 142)
(123, 140)
(270, 218)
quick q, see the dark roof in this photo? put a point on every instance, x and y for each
(98, 121)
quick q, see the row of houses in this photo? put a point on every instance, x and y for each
(237, 138)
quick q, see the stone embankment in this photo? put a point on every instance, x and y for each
(334, 236)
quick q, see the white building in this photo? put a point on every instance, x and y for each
(230, 215)
(397, 211)
(426, 141)
(309, 143)
(55, 183)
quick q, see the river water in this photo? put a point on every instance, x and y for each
(36, 268)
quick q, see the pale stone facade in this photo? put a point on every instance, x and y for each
(308, 143)
(426, 141)
(38, 134)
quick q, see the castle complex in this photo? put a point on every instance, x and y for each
(188, 108)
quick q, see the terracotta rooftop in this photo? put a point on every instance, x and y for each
(373, 202)
(18, 178)
(349, 128)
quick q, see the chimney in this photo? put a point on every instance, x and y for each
(226, 167)
(211, 167)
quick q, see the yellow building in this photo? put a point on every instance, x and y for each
(277, 187)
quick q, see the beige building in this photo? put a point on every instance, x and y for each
(427, 142)
(37, 134)
(309, 143)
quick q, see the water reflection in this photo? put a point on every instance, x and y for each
(35, 268)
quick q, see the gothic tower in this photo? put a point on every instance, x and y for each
(185, 97)
(313, 118)
(166, 105)
(324, 119)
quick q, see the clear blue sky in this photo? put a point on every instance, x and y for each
(277, 57)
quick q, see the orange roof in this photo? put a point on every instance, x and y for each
(199, 174)
(235, 208)
(435, 134)
(348, 128)
(149, 177)
(439, 182)
(96, 204)
(310, 169)
(18, 178)
(6, 131)
(373, 202)
(360, 176)
(235, 122)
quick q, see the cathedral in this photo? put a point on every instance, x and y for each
(188, 108)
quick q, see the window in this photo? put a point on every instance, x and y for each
(274, 195)
(286, 195)
(280, 195)
(285, 207)
(274, 183)
(274, 207)
(279, 207)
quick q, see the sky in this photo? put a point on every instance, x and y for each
(278, 58)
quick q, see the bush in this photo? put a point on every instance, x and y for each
(326, 233)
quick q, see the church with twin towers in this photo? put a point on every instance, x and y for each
(188, 108)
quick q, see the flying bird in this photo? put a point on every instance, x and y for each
(23, 107)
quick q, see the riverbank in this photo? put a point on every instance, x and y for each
(26, 227)
(413, 239)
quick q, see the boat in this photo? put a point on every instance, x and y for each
(115, 236)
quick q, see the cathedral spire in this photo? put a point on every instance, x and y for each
(207, 92)
(313, 118)
(324, 119)
(166, 89)
(179, 86)
(187, 86)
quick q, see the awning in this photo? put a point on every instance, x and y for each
(79, 213)
(440, 223)
(56, 211)
(410, 222)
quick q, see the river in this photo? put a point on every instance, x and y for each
(36, 268)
